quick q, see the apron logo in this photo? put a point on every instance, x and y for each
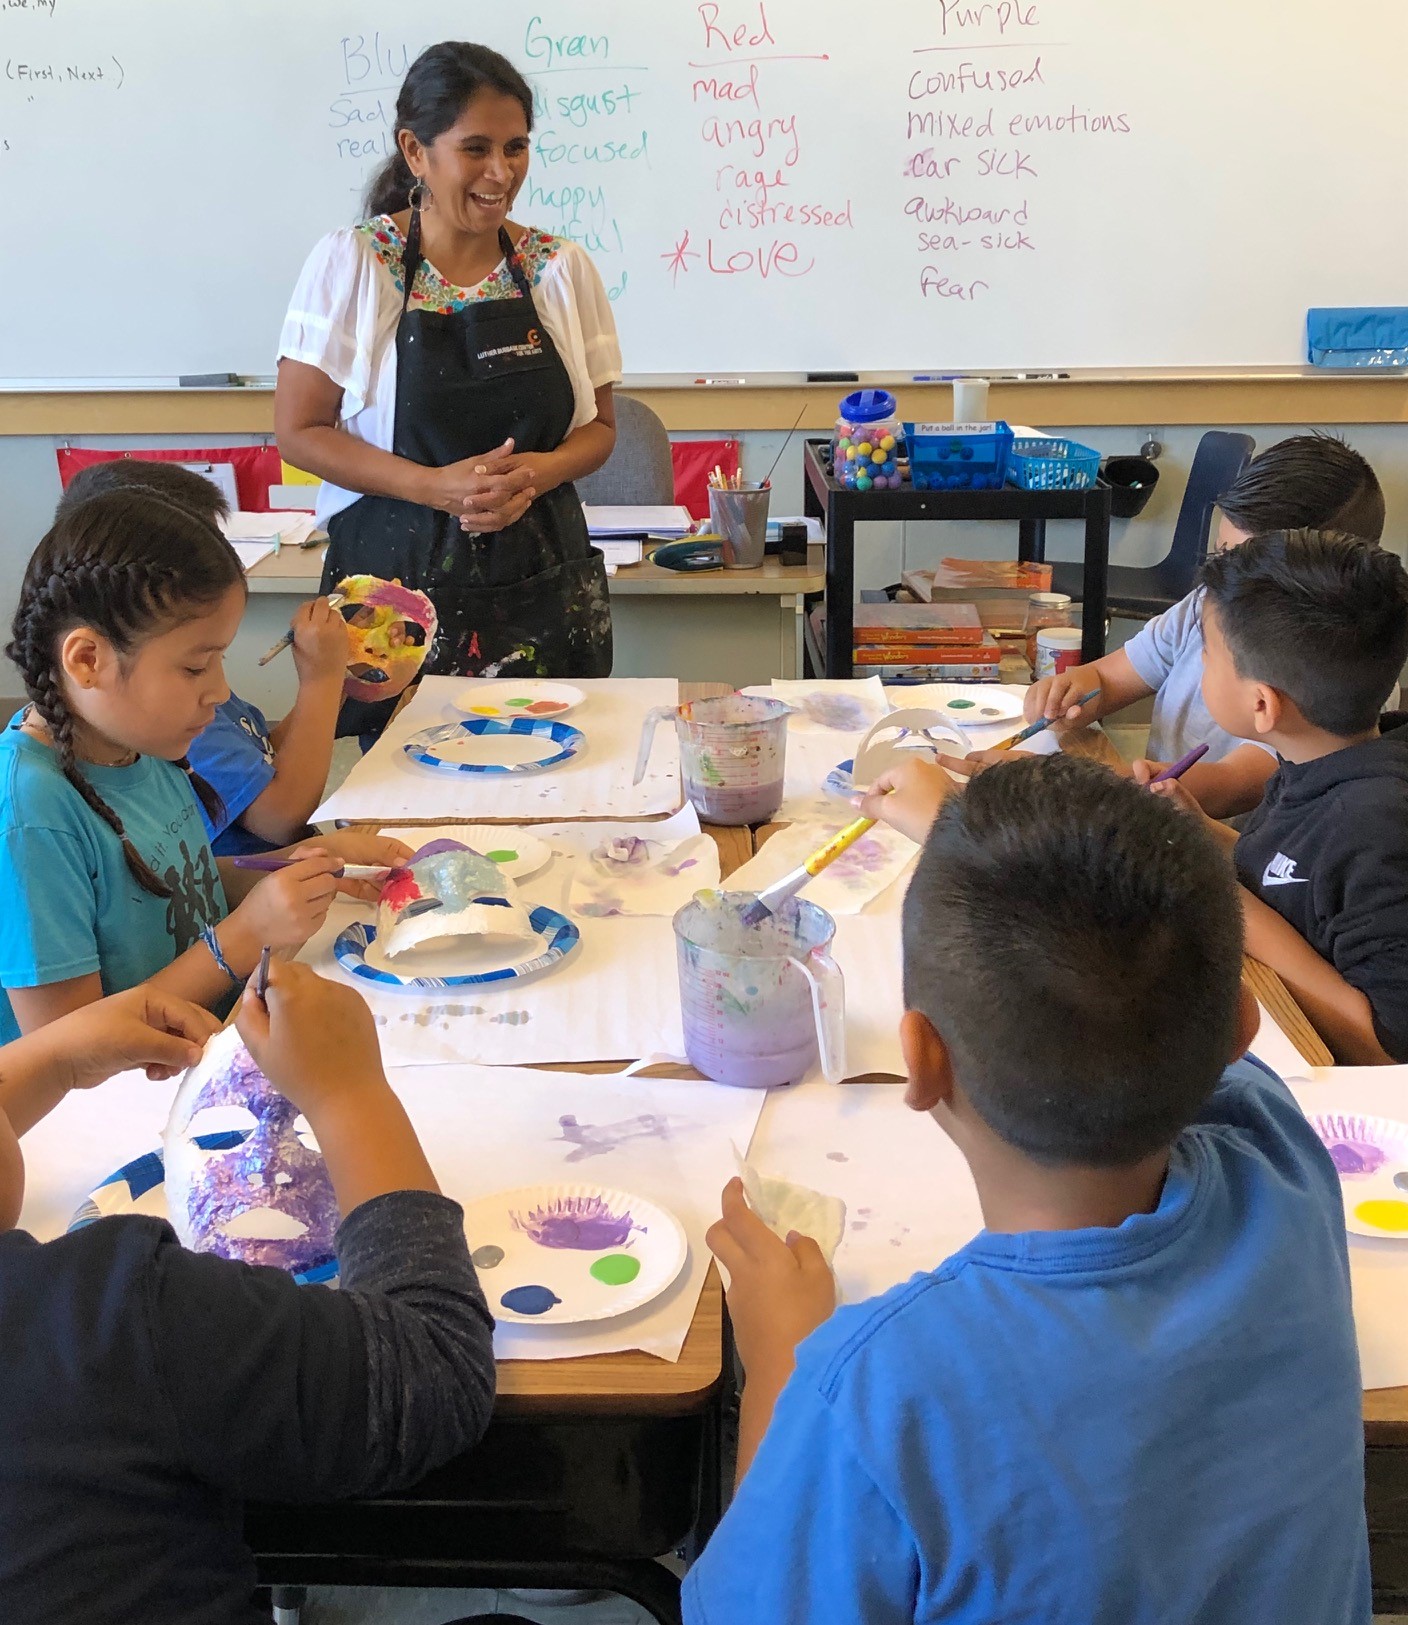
(531, 347)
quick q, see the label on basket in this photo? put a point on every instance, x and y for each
(955, 428)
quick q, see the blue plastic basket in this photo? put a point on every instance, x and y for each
(958, 457)
(1054, 465)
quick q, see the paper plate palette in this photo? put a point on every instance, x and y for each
(489, 745)
(978, 705)
(557, 1255)
(460, 961)
(518, 852)
(1371, 1156)
(139, 1186)
(506, 699)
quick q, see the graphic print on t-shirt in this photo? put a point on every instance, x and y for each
(192, 877)
(1281, 871)
(258, 737)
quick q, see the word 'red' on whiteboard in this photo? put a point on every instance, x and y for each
(764, 185)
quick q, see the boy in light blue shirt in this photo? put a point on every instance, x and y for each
(1134, 1397)
(1310, 481)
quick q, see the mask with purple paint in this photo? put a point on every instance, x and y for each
(260, 1193)
(447, 890)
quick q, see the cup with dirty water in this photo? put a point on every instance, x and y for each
(740, 516)
(761, 1004)
(733, 755)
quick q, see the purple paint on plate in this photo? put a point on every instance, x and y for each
(528, 1300)
(582, 1223)
(1356, 1157)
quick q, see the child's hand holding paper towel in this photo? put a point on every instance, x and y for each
(779, 1292)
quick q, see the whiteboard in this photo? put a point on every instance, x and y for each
(765, 185)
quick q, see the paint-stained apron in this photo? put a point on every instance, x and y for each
(533, 595)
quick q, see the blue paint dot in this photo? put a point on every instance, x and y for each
(529, 1300)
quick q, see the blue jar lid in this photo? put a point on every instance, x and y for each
(867, 406)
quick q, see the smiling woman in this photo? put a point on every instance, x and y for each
(448, 373)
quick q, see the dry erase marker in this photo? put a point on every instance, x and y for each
(1181, 766)
(724, 382)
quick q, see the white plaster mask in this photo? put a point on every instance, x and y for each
(262, 1198)
(447, 890)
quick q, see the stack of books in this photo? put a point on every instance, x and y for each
(920, 643)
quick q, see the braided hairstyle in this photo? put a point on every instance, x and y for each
(129, 565)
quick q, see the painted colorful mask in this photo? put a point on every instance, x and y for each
(390, 629)
(447, 890)
(262, 1198)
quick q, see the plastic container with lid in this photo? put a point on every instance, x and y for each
(1045, 609)
(868, 441)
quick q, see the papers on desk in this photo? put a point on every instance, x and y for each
(618, 553)
(252, 553)
(274, 529)
(638, 520)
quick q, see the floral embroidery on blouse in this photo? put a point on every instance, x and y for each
(432, 292)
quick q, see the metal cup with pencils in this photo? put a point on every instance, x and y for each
(739, 514)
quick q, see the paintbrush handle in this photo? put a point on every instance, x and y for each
(286, 641)
(268, 864)
(1177, 769)
(837, 845)
(1043, 723)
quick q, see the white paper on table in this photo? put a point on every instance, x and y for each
(288, 529)
(863, 873)
(252, 553)
(387, 785)
(1378, 1267)
(910, 1200)
(640, 875)
(837, 706)
(492, 1129)
(1274, 1049)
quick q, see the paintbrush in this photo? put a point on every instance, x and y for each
(261, 976)
(1043, 723)
(1181, 766)
(767, 483)
(269, 864)
(769, 900)
(334, 599)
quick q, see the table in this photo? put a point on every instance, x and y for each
(590, 1469)
(840, 508)
(741, 625)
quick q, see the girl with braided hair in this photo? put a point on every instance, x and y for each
(125, 613)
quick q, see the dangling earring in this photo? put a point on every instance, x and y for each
(419, 196)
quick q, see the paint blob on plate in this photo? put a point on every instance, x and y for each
(978, 705)
(1370, 1155)
(507, 697)
(529, 1300)
(575, 1252)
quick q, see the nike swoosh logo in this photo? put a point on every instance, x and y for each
(1285, 880)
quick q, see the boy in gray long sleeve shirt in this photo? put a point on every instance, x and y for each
(147, 1391)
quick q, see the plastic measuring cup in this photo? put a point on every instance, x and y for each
(760, 1003)
(733, 751)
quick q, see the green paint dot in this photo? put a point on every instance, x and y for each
(961, 705)
(503, 855)
(521, 701)
(617, 1270)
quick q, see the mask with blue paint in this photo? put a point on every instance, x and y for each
(447, 890)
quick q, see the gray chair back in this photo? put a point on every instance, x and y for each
(639, 469)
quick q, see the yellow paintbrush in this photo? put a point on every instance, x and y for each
(769, 901)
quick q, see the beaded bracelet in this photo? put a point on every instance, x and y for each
(212, 942)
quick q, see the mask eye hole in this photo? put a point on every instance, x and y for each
(304, 1130)
(361, 615)
(222, 1128)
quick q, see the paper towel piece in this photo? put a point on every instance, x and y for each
(840, 705)
(864, 872)
(386, 785)
(785, 1207)
(633, 874)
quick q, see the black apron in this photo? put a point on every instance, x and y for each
(531, 598)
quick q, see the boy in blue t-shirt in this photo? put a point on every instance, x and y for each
(1134, 1397)
(269, 780)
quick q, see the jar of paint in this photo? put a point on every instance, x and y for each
(868, 442)
(1057, 650)
(1045, 609)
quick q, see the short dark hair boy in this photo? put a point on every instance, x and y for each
(1306, 479)
(1088, 1403)
(1305, 636)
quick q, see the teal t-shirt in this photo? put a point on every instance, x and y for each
(71, 904)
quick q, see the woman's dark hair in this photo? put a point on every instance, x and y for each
(128, 564)
(433, 94)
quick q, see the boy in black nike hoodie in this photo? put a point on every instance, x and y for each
(1305, 635)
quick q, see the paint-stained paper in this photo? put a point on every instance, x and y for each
(387, 786)
(864, 874)
(633, 874)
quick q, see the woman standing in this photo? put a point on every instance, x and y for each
(448, 374)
